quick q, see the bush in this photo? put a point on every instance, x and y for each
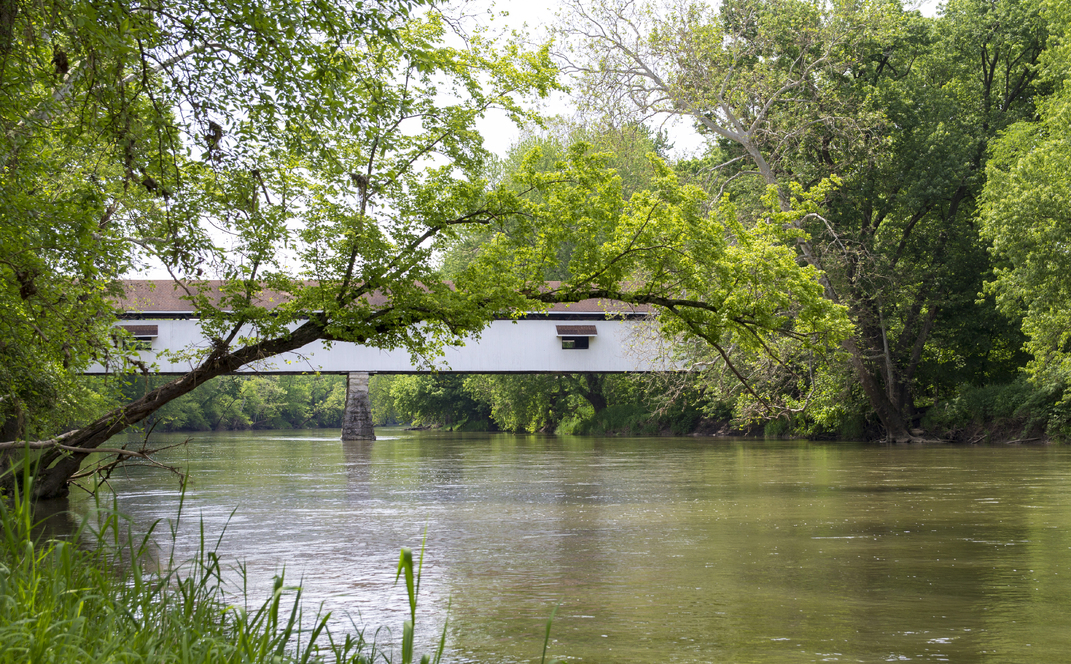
(776, 428)
(1029, 408)
(624, 419)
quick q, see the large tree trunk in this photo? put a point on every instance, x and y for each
(592, 390)
(12, 429)
(889, 413)
(57, 466)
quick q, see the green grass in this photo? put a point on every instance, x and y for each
(95, 599)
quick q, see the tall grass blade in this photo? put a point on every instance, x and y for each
(405, 564)
(546, 637)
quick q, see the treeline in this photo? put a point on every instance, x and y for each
(586, 404)
(634, 404)
(552, 403)
(241, 402)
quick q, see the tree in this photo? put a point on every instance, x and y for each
(1026, 216)
(439, 399)
(896, 108)
(380, 400)
(900, 243)
(334, 184)
(710, 277)
(100, 108)
(626, 149)
(537, 403)
(240, 402)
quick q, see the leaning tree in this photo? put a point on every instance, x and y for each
(286, 154)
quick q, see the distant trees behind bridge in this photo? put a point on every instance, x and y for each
(551, 403)
(632, 404)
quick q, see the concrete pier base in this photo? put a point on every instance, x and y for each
(357, 417)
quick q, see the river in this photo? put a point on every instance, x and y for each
(652, 549)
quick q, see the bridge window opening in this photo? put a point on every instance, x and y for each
(576, 337)
(574, 343)
(142, 336)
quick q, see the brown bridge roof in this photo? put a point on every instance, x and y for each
(161, 296)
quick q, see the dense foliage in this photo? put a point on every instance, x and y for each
(560, 403)
(293, 147)
(884, 115)
(246, 402)
(118, 126)
(1025, 210)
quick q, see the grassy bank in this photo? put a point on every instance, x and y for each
(96, 598)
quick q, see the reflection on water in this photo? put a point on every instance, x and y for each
(656, 550)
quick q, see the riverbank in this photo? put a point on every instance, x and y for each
(104, 595)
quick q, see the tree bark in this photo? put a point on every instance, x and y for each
(57, 466)
(11, 430)
(888, 412)
(592, 391)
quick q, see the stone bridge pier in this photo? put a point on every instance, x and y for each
(357, 417)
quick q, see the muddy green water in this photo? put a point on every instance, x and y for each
(654, 549)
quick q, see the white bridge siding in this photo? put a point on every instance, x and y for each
(530, 345)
